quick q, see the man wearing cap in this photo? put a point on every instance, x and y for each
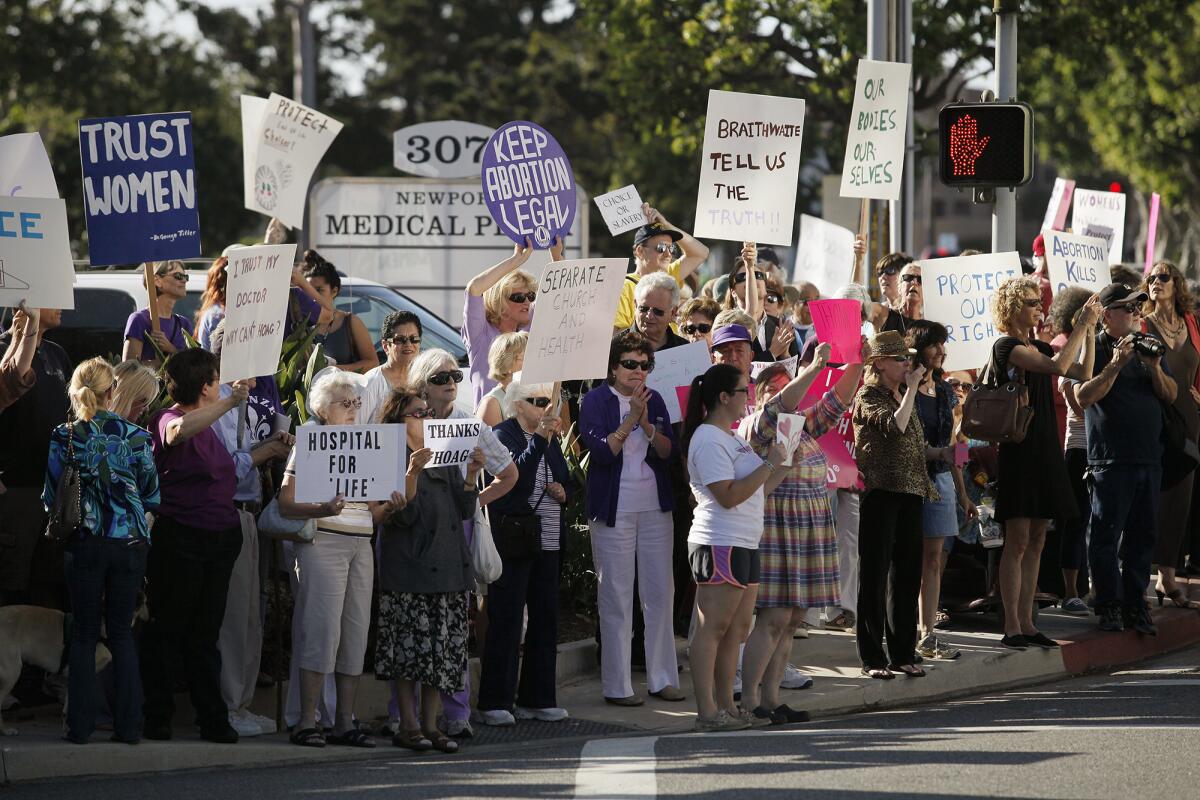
(654, 251)
(731, 345)
(1123, 414)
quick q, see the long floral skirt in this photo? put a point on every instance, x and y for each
(423, 638)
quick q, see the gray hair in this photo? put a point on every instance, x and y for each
(656, 280)
(856, 291)
(426, 365)
(517, 392)
(329, 389)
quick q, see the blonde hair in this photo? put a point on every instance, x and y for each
(90, 381)
(134, 381)
(161, 268)
(503, 354)
(735, 316)
(1009, 298)
(495, 297)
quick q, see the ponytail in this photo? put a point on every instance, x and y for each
(703, 396)
(89, 383)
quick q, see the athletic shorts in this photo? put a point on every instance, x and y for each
(714, 564)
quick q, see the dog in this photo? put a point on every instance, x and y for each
(37, 636)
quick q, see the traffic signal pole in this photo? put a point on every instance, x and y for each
(1004, 211)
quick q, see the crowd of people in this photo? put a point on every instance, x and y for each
(710, 527)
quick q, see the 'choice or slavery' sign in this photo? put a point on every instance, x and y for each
(528, 182)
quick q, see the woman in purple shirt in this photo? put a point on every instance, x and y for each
(141, 341)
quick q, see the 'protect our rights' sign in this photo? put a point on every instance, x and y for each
(528, 184)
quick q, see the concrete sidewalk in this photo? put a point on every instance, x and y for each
(829, 657)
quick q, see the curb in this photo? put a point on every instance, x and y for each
(1097, 650)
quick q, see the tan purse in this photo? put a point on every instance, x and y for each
(997, 412)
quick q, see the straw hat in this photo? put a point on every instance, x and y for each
(888, 344)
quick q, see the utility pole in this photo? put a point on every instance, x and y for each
(900, 229)
(877, 50)
(1004, 211)
(304, 77)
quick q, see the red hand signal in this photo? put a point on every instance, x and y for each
(965, 147)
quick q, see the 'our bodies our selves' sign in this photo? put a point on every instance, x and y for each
(1100, 215)
(874, 160)
(749, 168)
(139, 188)
(359, 462)
(1075, 260)
(256, 300)
(958, 294)
(528, 182)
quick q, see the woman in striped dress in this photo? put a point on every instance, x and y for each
(798, 550)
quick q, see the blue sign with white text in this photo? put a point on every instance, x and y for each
(139, 188)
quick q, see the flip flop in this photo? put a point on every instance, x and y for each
(307, 737)
(351, 738)
(879, 673)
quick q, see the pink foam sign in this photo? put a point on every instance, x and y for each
(1151, 232)
(839, 322)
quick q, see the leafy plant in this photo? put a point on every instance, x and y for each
(577, 585)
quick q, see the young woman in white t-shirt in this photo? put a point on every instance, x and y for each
(727, 479)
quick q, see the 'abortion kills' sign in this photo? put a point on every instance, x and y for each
(139, 188)
(529, 184)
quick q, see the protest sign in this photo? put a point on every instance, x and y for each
(359, 462)
(443, 149)
(287, 145)
(749, 168)
(789, 363)
(841, 470)
(256, 300)
(789, 430)
(1074, 260)
(839, 322)
(529, 185)
(1101, 215)
(1151, 232)
(874, 159)
(139, 188)
(25, 168)
(958, 294)
(35, 253)
(253, 111)
(825, 255)
(1059, 205)
(452, 441)
(675, 367)
(572, 321)
(622, 209)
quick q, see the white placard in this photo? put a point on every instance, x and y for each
(1060, 203)
(675, 367)
(256, 298)
(35, 253)
(443, 149)
(825, 255)
(789, 430)
(359, 462)
(874, 160)
(25, 168)
(287, 148)
(749, 168)
(1075, 260)
(958, 294)
(572, 324)
(253, 111)
(790, 363)
(451, 440)
(1100, 215)
(621, 209)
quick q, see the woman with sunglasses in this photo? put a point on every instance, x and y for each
(530, 579)
(1168, 315)
(627, 430)
(142, 343)
(912, 293)
(696, 318)
(774, 339)
(401, 339)
(887, 272)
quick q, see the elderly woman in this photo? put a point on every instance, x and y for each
(197, 538)
(106, 562)
(333, 604)
(142, 342)
(627, 431)
(505, 358)
(135, 389)
(533, 511)
(424, 575)
(696, 318)
(401, 338)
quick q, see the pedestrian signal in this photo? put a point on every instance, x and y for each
(986, 144)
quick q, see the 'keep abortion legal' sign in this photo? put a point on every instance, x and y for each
(359, 462)
(139, 188)
(958, 294)
(528, 183)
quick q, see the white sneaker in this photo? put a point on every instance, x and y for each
(266, 725)
(241, 722)
(794, 678)
(543, 714)
(497, 717)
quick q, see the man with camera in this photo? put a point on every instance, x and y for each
(1124, 419)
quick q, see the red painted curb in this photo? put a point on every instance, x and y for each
(1096, 649)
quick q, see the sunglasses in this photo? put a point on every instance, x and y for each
(540, 402)
(355, 403)
(692, 328)
(911, 278)
(400, 340)
(891, 269)
(663, 247)
(901, 359)
(1161, 277)
(424, 413)
(1128, 309)
(745, 389)
(179, 276)
(629, 363)
(658, 312)
(444, 377)
(523, 297)
(759, 275)
(1031, 303)
(774, 298)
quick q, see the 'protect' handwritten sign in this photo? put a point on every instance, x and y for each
(528, 184)
(256, 298)
(874, 159)
(958, 294)
(749, 168)
(359, 462)
(451, 440)
(288, 144)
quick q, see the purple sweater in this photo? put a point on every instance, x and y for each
(600, 415)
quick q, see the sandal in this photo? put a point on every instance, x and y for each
(351, 738)
(878, 673)
(911, 670)
(412, 740)
(844, 621)
(307, 737)
(442, 742)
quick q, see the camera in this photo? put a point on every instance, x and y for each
(1147, 345)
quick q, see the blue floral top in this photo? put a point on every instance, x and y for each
(118, 479)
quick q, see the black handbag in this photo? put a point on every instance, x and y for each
(519, 536)
(66, 514)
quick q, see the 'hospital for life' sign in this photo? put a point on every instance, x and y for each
(359, 462)
(528, 183)
(958, 294)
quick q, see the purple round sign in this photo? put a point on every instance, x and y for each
(528, 184)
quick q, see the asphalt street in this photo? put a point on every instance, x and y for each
(1112, 735)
